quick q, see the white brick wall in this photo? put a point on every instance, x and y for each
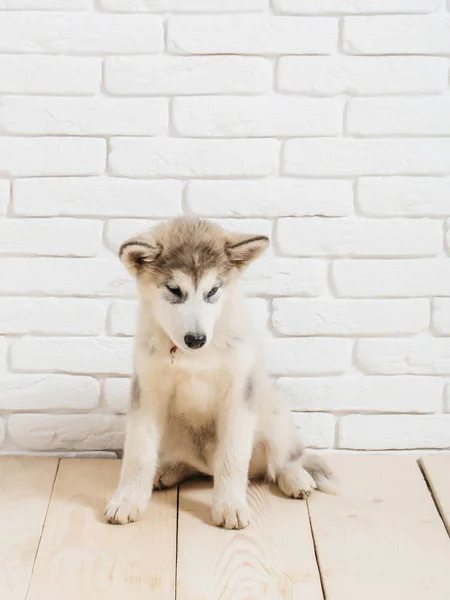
(324, 124)
(185, 75)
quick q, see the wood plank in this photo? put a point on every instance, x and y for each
(82, 557)
(273, 558)
(381, 537)
(437, 471)
(25, 490)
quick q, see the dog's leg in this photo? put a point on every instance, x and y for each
(131, 498)
(234, 449)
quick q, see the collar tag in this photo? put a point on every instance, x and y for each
(173, 351)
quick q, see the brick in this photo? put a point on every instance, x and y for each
(398, 116)
(348, 7)
(50, 237)
(43, 4)
(263, 116)
(67, 316)
(400, 394)
(4, 196)
(391, 279)
(293, 316)
(308, 356)
(97, 197)
(3, 354)
(447, 398)
(123, 317)
(50, 74)
(373, 75)
(80, 33)
(84, 116)
(92, 355)
(342, 157)
(408, 34)
(118, 231)
(359, 237)
(315, 430)
(48, 392)
(117, 394)
(270, 198)
(441, 316)
(430, 356)
(185, 75)
(2, 432)
(172, 157)
(404, 196)
(183, 5)
(256, 226)
(447, 235)
(65, 277)
(87, 454)
(286, 277)
(67, 432)
(230, 34)
(394, 432)
(23, 157)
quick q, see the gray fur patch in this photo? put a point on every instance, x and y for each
(135, 393)
(249, 391)
(296, 454)
(199, 440)
(203, 437)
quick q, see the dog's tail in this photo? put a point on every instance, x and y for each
(322, 474)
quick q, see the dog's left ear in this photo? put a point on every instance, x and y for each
(243, 248)
(139, 252)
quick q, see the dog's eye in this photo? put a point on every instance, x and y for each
(212, 292)
(175, 291)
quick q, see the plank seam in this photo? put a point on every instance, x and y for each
(43, 527)
(429, 484)
(176, 542)
(316, 553)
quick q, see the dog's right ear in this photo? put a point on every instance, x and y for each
(139, 252)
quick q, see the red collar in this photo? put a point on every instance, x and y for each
(173, 351)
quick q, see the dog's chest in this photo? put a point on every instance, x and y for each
(196, 396)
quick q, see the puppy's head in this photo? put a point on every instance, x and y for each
(185, 269)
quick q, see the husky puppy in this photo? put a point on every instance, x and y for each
(201, 399)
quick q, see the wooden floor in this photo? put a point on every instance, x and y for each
(382, 537)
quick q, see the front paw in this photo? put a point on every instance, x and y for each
(122, 510)
(230, 516)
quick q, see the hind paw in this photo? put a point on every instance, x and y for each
(166, 480)
(298, 484)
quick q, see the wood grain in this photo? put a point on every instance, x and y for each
(25, 490)
(381, 537)
(273, 558)
(437, 471)
(83, 558)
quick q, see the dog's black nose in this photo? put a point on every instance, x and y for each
(195, 340)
